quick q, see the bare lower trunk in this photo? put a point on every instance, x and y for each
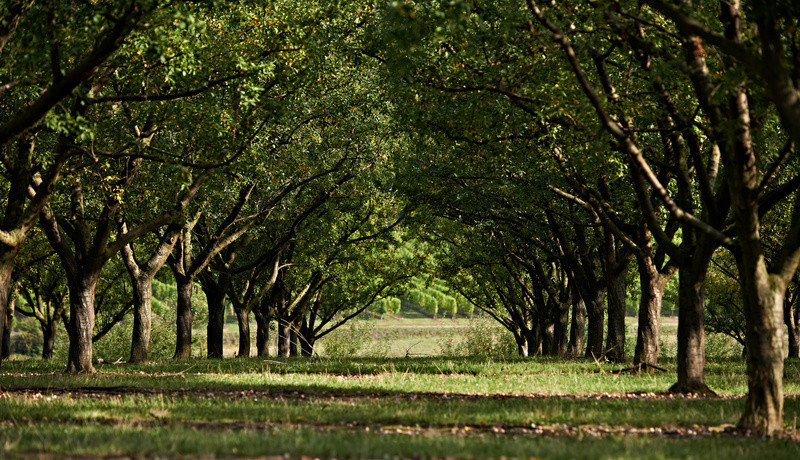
(577, 329)
(561, 328)
(691, 333)
(7, 256)
(262, 334)
(522, 344)
(81, 324)
(790, 320)
(142, 317)
(243, 320)
(294, 340)
(652, 292)
(5, 349)
(307, 339)
(615, 340)
(284, 336)
(594, 316)
(183, 321)
(48, 340)
(216, 323)
(763, 307)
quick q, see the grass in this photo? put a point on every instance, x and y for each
(370, 407)
(386, 406)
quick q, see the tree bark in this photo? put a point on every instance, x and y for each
(5, 340)
(48, 339)
(7, 256)
(243, 319)
(790, 319)
(284, 337)
(81, 323)
(615, 340)
(142, 317)
(561, 326)
(594, 316)
(262, 334)
(183, 320)
(216, 321)
(691, 321)
(652, 286)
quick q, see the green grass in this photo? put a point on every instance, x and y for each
(371, 407)
(385, 404)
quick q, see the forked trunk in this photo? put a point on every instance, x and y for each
(615, 340)
(243, 320)
(652, 292)
(183, 321)
(577, 328)
(142, 318)
(81, 324)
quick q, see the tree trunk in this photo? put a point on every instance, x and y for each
(183, 321)
(5, 340)
(294, 340)
(561, 331)
(594, 316)
(262, 334)
(81, 323)
(243, 319)
(216, 322)
(615, 340)
(652, 292)
(142, 317)
(284, 336)
(577, 329)
(763, 308)
(307, 339)
(48, 339)
(522, 344)
(691, 333)
(790, 320)
(7, 256)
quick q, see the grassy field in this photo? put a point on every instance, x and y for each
(402, 401)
